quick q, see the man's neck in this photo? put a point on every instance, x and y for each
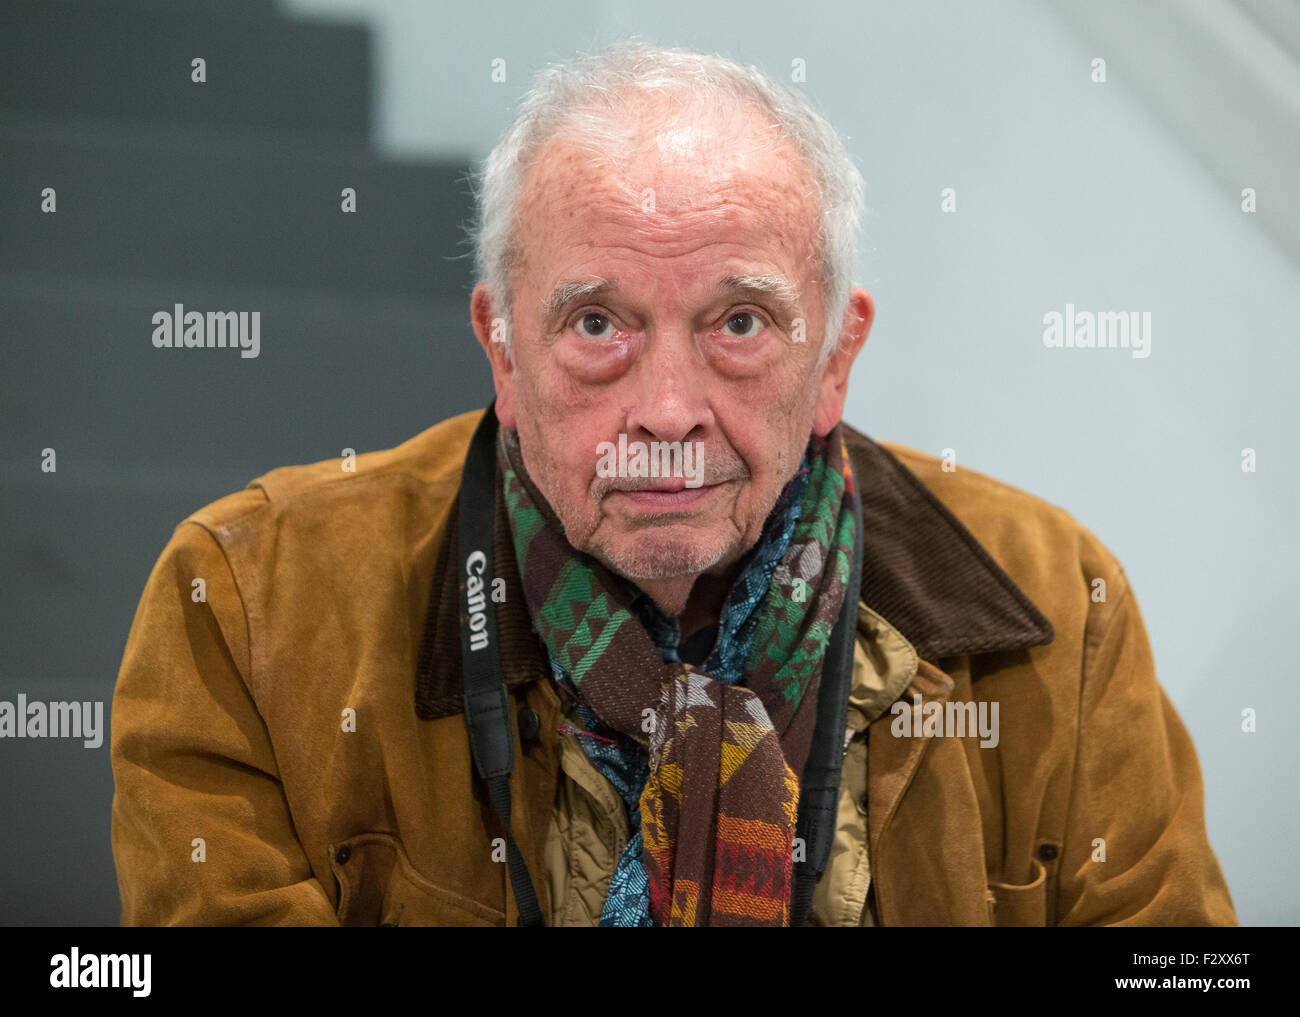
(707, 599)
(698, 601)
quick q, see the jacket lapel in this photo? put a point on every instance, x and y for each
(925, 835)
(926, 574)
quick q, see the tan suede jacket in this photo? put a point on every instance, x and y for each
(288, 745)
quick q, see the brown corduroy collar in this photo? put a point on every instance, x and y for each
(923, 572)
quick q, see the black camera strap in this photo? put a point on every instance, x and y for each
(487, 703)
(819, 792)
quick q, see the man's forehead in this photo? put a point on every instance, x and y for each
(683, 141)
(686, 163)
(578, 204)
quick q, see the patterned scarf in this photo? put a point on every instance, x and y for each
(713, 759)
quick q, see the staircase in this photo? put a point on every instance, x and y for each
(221, 195)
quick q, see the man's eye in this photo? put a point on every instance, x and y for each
(745, 325)
(595, 326)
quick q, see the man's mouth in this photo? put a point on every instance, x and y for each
(666, 485)
(669, 495)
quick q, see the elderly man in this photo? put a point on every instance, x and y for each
(656, 639)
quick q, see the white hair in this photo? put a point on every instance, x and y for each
(575, 96)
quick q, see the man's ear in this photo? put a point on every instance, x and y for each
(490, 330)
(834, 386)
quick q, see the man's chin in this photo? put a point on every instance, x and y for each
(651, 556)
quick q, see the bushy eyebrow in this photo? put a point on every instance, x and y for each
(774, 288)
(568, 293)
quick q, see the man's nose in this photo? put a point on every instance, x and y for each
(669, 397)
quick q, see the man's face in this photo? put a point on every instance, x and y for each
(674, 347)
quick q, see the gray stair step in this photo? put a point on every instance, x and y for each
(79, 373)
(220, 210)
(132, 63)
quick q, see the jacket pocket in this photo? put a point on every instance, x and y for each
(1026, 904)
(379, 886)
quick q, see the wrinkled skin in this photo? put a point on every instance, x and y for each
(668, 356)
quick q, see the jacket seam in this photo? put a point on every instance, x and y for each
(247, 673)
(250, 690)
(194, 517)
(396, 471)
(1088, 658)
